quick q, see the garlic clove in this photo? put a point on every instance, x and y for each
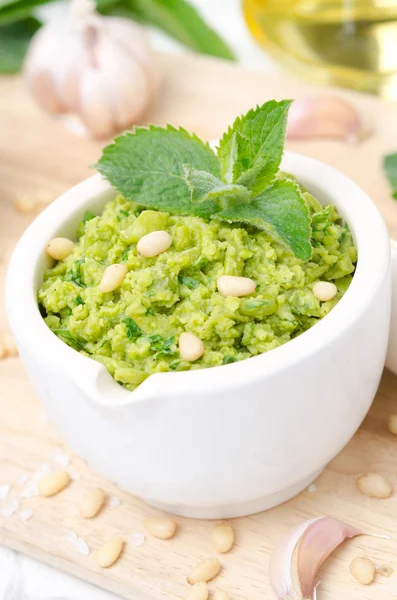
(95, 107)
(324, 117)
(318, 542)
(124, 80)
(299, 555)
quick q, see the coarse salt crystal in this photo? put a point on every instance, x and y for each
(25, 515)
(23, 479)
(137, 539)
(4, 491)
(30, 490)
(75, 476)
(114, 502)
(10, 509)
(77, 542)
(60, 458)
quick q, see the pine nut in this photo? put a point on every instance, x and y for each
(51, 484)
(190, 346)
(222, 537)
(392, 424)
(9, 344)
(199, 591)
(362, 569)
(60, 248)
(112, 278)
(160, 527)
(92, 503)
(374, 486)
(153, 244)
(3, 351)
(229, 285)
(204, 571)
(107, 554)
(25, 204)
(324, 290)
(221, 595)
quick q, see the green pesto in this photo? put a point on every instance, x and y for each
(134, 330)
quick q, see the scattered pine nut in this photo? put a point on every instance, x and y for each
(112, 278)
(204, 571)
(374, 486)
(52, 484)
(392, 424)
(9, 344)
(191, 347)
(159, 527)
(229, 285)
(154, 243)
(25, 204)
(107, 554)
(324, 290)
(384, 571)
(221, 595)
(199, 591)
(92, 503)
(60, 248)
(222, 537)
(362, 569)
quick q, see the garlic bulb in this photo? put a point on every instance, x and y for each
(98, 67)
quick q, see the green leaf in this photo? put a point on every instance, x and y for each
(250, 151)
(181, 21)
(133, 329)
(190, 283)
(390, 167)
(14, 42)
(162, 346)
(75, 275)
(67, 337)
(205, 186)
(12, 11)
(281, 211)
(147, 167)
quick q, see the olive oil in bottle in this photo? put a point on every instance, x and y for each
(352, 43)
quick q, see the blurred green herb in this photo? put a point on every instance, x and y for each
(191, 283)
(20, 19)
(390, 167)
(67, 337)
(75, 275)
(133, 329)
(162, 346)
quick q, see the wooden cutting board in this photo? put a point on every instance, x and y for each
(39, 158)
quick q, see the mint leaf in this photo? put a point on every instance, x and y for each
(204, 186)
(390, 167)
(281, 211)
(147, 167)
(250, 151)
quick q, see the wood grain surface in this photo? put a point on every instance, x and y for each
(39, 158)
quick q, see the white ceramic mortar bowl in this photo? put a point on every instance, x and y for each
(225, 441)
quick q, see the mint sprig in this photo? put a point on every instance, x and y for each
(171, 170)
(390, 167)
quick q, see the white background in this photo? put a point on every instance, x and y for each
(22, 578)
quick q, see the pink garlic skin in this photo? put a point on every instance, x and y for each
(324, 117)
(318, 542)
(299, 555)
